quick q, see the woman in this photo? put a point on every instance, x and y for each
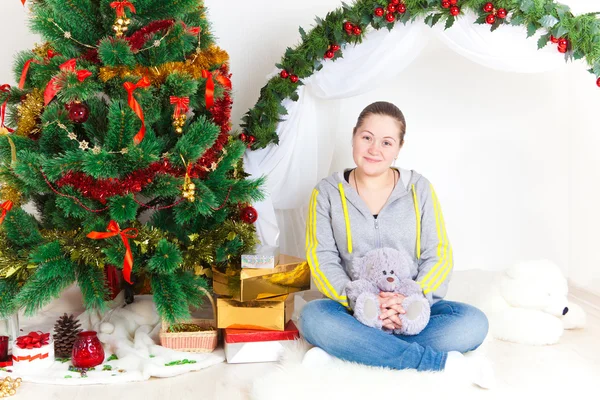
(373, 206)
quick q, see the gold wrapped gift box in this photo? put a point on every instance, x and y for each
(271, 314)
(291, 275)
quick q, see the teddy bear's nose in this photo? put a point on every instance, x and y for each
(390, 279)
(566, 310)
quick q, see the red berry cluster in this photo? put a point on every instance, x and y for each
(352, 29)
(452, 5)
(284, 75)
(248, 139)
(493, 13)
(563, 44)
(394, 6)
(331, 50)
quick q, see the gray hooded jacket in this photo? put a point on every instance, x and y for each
(340, 226)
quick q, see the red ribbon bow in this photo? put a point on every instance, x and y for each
(50, 55)
(210, 86)
(182, 105)
(33, 340)
(192, 30)
(114, 230)
(4, 88)
(135, 106)
(54, 85)
(120, 6)
(5, 207)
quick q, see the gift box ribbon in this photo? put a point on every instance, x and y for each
(34, 340)
(30, 358)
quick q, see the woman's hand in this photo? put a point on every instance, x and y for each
(391, 306)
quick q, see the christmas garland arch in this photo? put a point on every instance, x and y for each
(577, 37)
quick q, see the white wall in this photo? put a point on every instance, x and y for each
(512, 156)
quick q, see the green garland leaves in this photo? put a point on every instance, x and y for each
(582, 32)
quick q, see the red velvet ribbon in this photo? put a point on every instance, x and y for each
(50, 55)
(54, 87)
(33, 340)
(4, 88)
(5, 207)
(120, 6)
(182, 105)
(135, 106)
(114, 230)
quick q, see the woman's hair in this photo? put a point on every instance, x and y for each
(383, 108)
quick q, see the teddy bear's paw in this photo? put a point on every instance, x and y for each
(416, 317)
(575, 318)
(366, 310)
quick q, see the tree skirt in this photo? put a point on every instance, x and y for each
(129, 336)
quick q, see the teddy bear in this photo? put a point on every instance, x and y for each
(526, 303)
(387, 270)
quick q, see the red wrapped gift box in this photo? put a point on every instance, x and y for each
(248, 345)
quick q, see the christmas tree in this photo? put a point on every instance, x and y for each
(118, 135)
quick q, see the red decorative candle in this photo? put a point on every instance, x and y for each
(3, 348)
(87, 350)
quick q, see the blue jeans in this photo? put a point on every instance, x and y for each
(453, 327)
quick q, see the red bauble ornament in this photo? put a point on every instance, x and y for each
(598, 82)
(356, 30)
(389, 17)
(445, 4)
(490, 19)
(501, 13)
(284, 74)
(395, 1)
(488, 7)
(562, 49)
(243, 137)
(563, 43)
(454, 11)
(379, 12)
(78, 112)
(402, 8)
(249, 215)
(454, 2)
(391, 8)
(348, 26)
(294, 78)
(335, 47)
(553, 39)
(87, 350)
(329, 54)
(251, 139)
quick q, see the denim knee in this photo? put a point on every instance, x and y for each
(477, 323)
(313, 318)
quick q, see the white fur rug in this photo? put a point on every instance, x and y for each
(129, 333)
(345, 380)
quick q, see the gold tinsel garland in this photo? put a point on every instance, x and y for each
(10, 193)
(29, 111)
(157, 75)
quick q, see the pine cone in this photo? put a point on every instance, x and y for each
(65, 334)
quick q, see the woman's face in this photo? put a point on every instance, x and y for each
(376, 144)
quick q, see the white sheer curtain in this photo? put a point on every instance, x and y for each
(305, 150)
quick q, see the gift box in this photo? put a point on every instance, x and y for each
(33, 351)
(266, 257)
(291, 275)
(248, 346)
(271, 314)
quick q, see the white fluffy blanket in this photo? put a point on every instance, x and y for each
(131, 335)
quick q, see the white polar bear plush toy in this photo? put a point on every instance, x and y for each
(528, 304)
